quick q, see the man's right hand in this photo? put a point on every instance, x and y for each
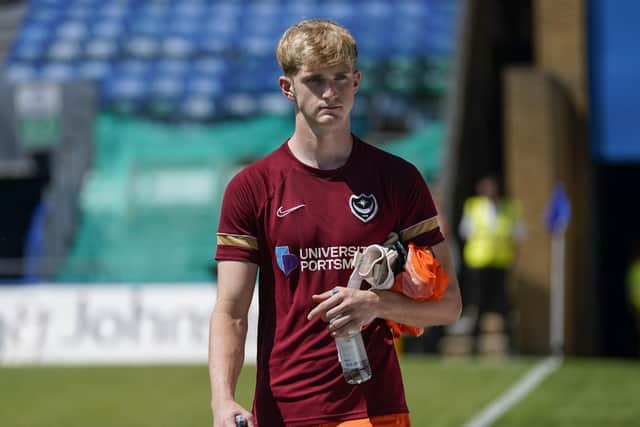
(225, 415)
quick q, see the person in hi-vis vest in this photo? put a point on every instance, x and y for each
(632, 280)
(491, 229)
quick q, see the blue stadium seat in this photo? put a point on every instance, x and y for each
(101, 48)
(172, 66)
(34, 32)
(188, 27)
(167, 86)
(18, 72)
(72, 29)
(94, 69)
(64, 50)
(125, 87)
(199, 107)
(177, 47)
(134, 66)
(27, 50)
(148, 26)
(142, 46)
(43, 14)
(80, 10)
(108, 28)
(58, 71)
(210, 65)
(273, 103)
(204, 85)
(240, 105)
(192, 51)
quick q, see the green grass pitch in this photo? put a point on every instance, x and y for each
(440, 392)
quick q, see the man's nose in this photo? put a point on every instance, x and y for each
(329, 90)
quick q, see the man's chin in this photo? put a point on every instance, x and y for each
(330, 115)
(329, 120)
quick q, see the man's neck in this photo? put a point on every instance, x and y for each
(321, 149)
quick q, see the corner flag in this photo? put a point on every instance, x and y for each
(559, 210)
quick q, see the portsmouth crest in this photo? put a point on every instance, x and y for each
(364, 206)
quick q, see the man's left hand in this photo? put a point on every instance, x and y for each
(345, 309)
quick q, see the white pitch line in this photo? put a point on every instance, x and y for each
(512, 396)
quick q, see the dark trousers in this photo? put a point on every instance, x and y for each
(485, 288)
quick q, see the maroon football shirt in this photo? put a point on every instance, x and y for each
(302, 225)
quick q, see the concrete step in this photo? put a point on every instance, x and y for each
(456, 345)
(491, 323)
(493, 344)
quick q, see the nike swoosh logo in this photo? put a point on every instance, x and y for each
(284, 212)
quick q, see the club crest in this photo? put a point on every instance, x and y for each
(364, 206)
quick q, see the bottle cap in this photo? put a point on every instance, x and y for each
(241, 421)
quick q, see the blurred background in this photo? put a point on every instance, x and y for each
(121, 122)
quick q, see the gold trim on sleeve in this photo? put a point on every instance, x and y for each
(248, 242)
(422, 227)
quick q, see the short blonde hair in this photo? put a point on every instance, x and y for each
(315, 43)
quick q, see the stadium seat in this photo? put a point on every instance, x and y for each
(18, 72)
(232, 42)
(58, 71)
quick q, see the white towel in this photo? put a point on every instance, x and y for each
(375, 266)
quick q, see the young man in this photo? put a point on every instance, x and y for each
(297, 216)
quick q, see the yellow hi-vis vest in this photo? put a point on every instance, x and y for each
(492, 238)
(633, 284)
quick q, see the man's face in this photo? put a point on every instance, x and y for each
(488, 187)
(325, 96)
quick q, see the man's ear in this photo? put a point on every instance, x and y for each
(356, 80)
(286, 84)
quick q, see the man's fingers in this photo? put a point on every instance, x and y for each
(339, 323)
(329, 299)
(321, 309)
(321, 297)
(334, 312)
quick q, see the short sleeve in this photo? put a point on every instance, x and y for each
(237, 237)
(418, 220)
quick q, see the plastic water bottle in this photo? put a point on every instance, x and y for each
(353, 358)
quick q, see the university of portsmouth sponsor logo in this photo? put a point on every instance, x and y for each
(364, 206)
(286, 262)
(328, 258)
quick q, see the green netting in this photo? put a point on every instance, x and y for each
(406, 76)
(423, 148)
(120, 140)
(149, 209)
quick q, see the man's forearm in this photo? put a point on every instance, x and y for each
(399, 308)
(226, 354)
(402, 309)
